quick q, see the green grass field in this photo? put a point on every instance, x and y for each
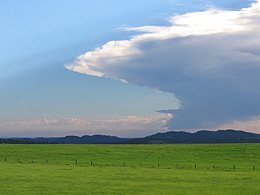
(130, 169)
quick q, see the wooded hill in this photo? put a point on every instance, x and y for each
(171, 137)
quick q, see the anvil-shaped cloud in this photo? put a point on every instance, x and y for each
(210, 60)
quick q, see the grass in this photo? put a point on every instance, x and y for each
(61, 174)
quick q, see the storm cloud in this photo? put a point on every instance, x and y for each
(209, 60)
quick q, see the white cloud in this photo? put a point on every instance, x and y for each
(252, 125)
(65, 124)
(210, 60)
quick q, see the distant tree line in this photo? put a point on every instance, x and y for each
(21, 141)
(171, 137)
(151, 140)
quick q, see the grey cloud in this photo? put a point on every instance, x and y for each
(214, 73)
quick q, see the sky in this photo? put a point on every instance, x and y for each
(128, 68)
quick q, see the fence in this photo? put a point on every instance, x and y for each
(185, 166)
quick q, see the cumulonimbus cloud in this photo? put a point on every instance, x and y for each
(210, 60)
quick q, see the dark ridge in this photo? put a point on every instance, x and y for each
(171, 137)
(94, 139)
(203, 136)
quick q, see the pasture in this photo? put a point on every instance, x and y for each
(130, 169)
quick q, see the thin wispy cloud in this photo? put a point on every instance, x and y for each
(209, 60)
(65, 124)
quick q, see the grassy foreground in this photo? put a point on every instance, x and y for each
(130, 169)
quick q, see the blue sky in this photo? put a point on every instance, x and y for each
(41, 96)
